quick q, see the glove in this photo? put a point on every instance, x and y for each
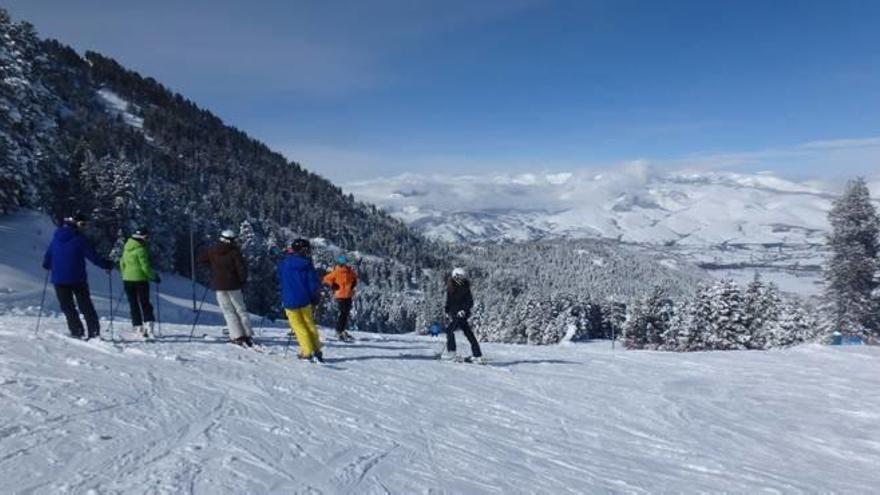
(461, 314)
(157, 279)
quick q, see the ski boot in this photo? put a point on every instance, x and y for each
(318, 357)
(149, 330)
(344, 336)
(477, 360)
(450, 356)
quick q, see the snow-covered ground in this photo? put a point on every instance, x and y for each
(385, 417)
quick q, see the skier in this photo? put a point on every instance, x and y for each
(459, 302)
(342, 280)
(137, 273)
(228, 276)
(66, 258)
(299, 294)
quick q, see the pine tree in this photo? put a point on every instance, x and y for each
(649, 321)
(851, 275)
(726, 327)
(792, 326)
(762, 306)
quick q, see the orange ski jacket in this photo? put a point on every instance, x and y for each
(342, 280)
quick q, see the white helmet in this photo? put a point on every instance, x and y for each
(227, 235)
(459, 272)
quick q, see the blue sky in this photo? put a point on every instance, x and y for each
(360, 89)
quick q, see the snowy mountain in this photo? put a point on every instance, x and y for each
(635, 205)
(722, 221)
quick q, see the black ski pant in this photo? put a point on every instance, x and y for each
(80, 292)
(462, 323)
(344, 306)
(139, 302)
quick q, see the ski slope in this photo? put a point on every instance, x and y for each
(384, 417)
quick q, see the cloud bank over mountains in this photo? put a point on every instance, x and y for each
(635, 203)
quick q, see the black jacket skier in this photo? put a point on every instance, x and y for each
(459, 302)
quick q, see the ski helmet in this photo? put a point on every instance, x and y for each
(301, 246)
(459, 272)
(77, 220)
(342, 259)
(227, 235)
(141, 234)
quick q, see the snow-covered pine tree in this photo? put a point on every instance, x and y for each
(792, 326)
(726, 327)
(649, 320)
(608, 319)
(697, 334)
(680, 329)
(851, 274)
(762, 305)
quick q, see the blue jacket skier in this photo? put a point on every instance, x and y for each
(66, 258)
(300, 294)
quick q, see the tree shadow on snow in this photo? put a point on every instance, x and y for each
(503, 364)
(184, 339)
(389, 357)
(358, 345)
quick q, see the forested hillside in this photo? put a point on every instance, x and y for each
(85, 134)
(544, 292)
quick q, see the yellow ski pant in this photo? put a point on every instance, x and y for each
(303, 324)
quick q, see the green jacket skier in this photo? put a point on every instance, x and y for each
(137, 273)
(135, 263)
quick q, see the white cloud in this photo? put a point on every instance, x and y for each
(843, 143)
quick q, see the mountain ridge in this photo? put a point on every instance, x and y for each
(702, 215)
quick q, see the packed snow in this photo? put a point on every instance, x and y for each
(383, 416)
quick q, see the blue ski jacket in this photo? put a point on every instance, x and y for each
(66, 257)
(299, 282)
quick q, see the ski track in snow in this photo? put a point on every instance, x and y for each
(206, 417)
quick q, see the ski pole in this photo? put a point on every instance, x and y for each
(119, 299)
(198, 312)
(115, 335)
(158, 311)
(42, 302)
(612, 337)
(287, 345)
(260, 329)
(110, 282)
